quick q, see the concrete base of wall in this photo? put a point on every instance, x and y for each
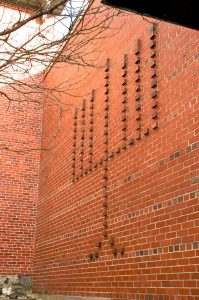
(23, 282)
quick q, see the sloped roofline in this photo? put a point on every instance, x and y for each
(75, 26)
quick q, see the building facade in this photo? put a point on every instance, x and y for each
(117, 208)
(20, 133)
(118, 197)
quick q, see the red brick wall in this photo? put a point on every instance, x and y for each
(20, 133)
(118, 208)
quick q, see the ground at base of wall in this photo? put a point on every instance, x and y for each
(16, 287)
(20, 288)
(61, 297)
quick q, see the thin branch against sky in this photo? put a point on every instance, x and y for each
(27, 50)
(30, 37)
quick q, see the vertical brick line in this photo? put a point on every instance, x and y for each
(153, 66)
(91, 113)
(124, 116)
(74, 144)
(82, 137)
(106, 147)
(138, 98)
(104, 162)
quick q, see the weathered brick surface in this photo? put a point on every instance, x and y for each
(20, 130)
(149, 239)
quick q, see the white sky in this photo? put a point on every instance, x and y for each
(52, 29)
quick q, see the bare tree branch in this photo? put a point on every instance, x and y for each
(28, 48)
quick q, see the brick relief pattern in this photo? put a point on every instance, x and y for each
(87, 114)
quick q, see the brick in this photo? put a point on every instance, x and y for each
(21, 126)
(152, 215)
